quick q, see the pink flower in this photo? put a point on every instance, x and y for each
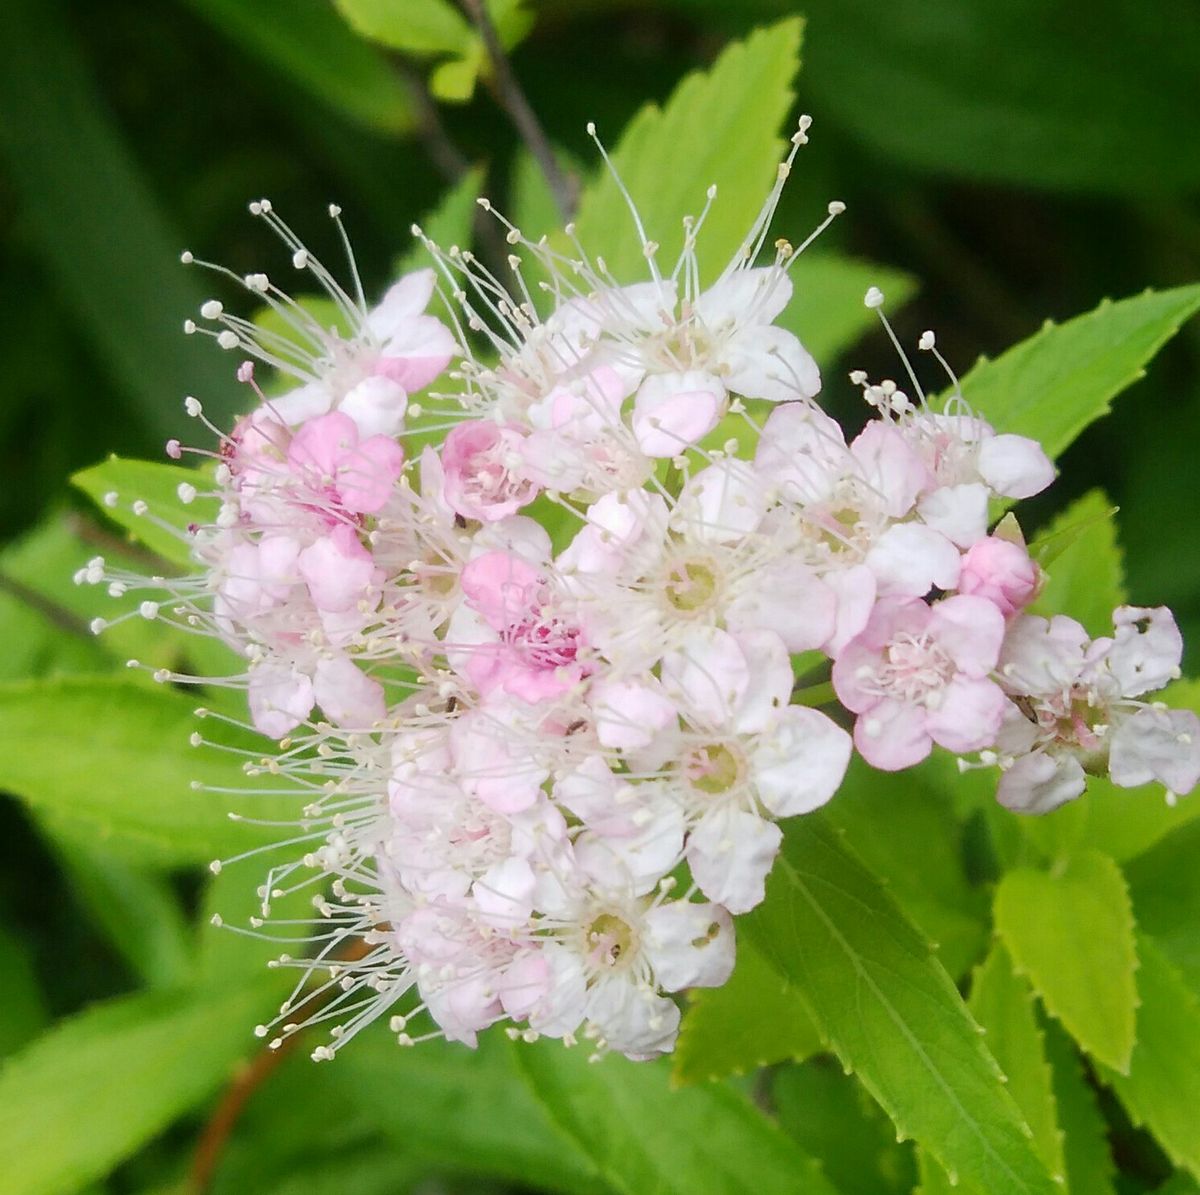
(482, 465)
(1002, 572)
(348, 476)
(918, 674)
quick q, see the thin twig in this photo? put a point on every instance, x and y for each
(512, 99)
(50, 610)
(451, 163)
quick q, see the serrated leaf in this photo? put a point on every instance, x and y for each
(1064, 377)
(755, 1019)
(108, 758)
(1164, 883)
(158, 486)
(833, 1119)
(642, 1137)
(889, 1010)
(1071, 932)
(60, 1124)
(315, 50)
(1162, 1088)
(1003, 1004)
(1086, 1154)
(719, 126)
(1087, 578)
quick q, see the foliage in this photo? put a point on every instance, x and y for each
(935, 991)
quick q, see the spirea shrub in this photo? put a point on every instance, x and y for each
(559, 592)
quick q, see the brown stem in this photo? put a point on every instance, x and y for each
(451, 163)
(512, 99)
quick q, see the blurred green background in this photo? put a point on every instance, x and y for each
(1021, 159)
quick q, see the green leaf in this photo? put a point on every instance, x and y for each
(158, 486)
(889, 1010)
(450, 223)
(1054, 384)
(465, 1109)
(827, 310)
(1162, 1088)
(108, 758)
(717, 127)
(920, 858)
(95, 1088)
(1070, 930)
(313, 48)
(137, 911)
(416, 26)
(97, 225)
(1086, 580)
(641, 1136)
(24, 1008)
(1089, 1163)
(832, 1118)
(1003, 1004)
(755, 1019)
(1164, 883)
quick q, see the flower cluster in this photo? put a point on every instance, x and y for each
(545, 649)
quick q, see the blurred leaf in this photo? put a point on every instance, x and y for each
(720, 127)
(1019, 91)
(97, 224)
(1051, 386)
(454, 81)
(1089, 1162)
(1070, 930)
(920, 858)
(1164, 883)
(308, 44)
(1162, 1088)
(889, 1010)
(832, 1118)
(109, 758)
(1003, 1004)
(157, 485)
(415, 26)
(137, 911)
(1086, 580)
(465, 1109)
(450, 223)
(96, 1087)
(24, 1009)
(365, 1170)
(641, 1136)
(755, 1019)
(827, 310)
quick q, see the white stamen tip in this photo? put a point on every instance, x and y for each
(873, 298)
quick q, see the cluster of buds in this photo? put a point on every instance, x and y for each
(546, 650)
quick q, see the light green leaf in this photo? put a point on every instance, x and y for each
(95, 1088)
(309, 45)
(755, 1019)
(1003, 1004)
(642, 1137)
(1164, 883)
(889, 1010)
(108, 758)
(1054, 384)
(827, 310)
(157, 485)
(464, 1109)
(137, 911)
(920, 858)
(1070, 931)
(832, 1118)
(1162, 1088)
(416, 26)
(454, 81)
(719, 126)
(1086, 580)
(1089, 1163)
(97, 225)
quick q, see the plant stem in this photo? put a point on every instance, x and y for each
(512, 99)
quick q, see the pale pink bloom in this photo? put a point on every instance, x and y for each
(483, 466)
(342, 474)
(283, 691)
(1001, 571)
(1076, 711)
(919, 674)
(339, 572)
